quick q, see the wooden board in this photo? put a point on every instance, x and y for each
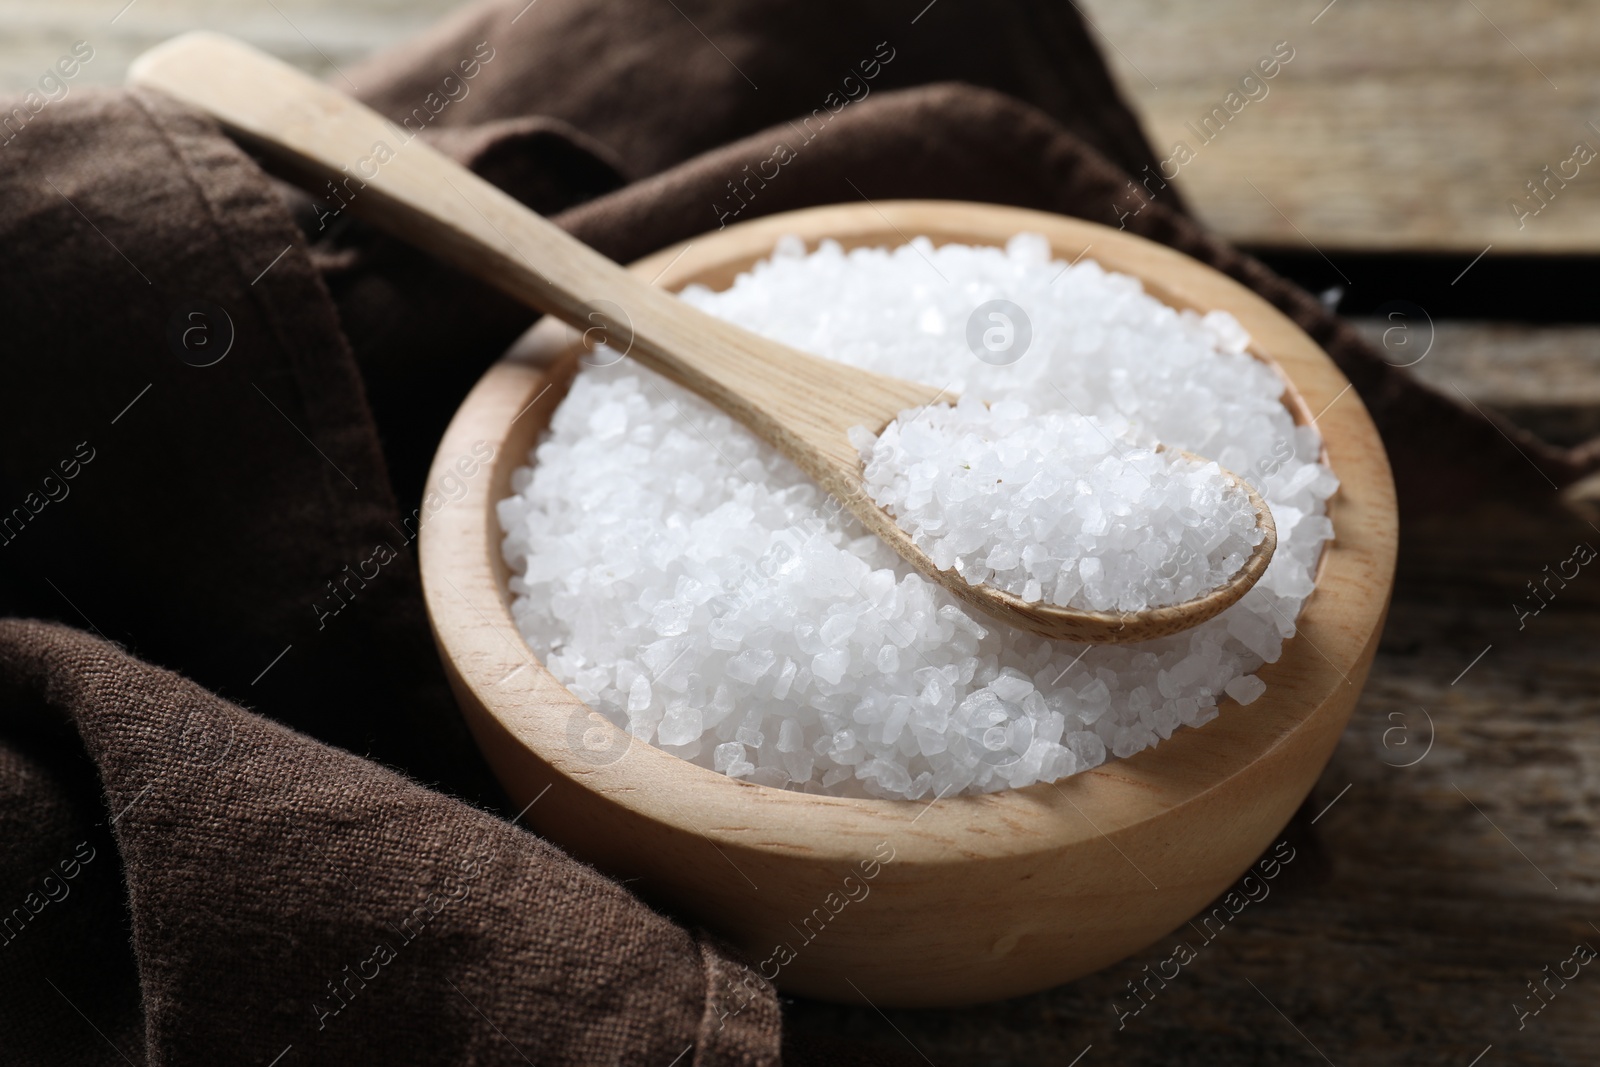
(1395, 125)
(317, 35)
(1546, 378)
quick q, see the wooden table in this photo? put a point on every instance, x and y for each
(1433, 892)
(1395, 126)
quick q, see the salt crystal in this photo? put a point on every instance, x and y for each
(790, 737)
(1011, 687)
(831, 665)
(680, 726)
(1245, 689)
(727, 756)
(750, 664)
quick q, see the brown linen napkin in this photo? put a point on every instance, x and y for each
(194, 508)
(289, 899)
(196, 514)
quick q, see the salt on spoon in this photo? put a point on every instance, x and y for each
(804, 405)
(1058, 507)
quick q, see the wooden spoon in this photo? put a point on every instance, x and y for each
(802, 404)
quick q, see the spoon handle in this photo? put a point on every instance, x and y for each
(801, 404)
(401, 184)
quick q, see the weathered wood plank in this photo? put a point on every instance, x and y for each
(1395, 126)
(313, 34)
(1546, 378)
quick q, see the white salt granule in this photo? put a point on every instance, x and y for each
(1245, 689)
(685, 580)
(1053, 507)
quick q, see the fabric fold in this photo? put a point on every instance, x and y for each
(191, 465)
(287, 897)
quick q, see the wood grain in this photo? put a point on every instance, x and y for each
(1395, 126)
(1546, 378)
(985, 896)
(325, 39)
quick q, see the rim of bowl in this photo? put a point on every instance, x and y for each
(469, 603)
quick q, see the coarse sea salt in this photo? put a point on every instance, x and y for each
(1052, 507)
(685, 580)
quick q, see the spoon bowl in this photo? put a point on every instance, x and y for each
(803, 405)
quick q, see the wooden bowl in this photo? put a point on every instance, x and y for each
(970, 898)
